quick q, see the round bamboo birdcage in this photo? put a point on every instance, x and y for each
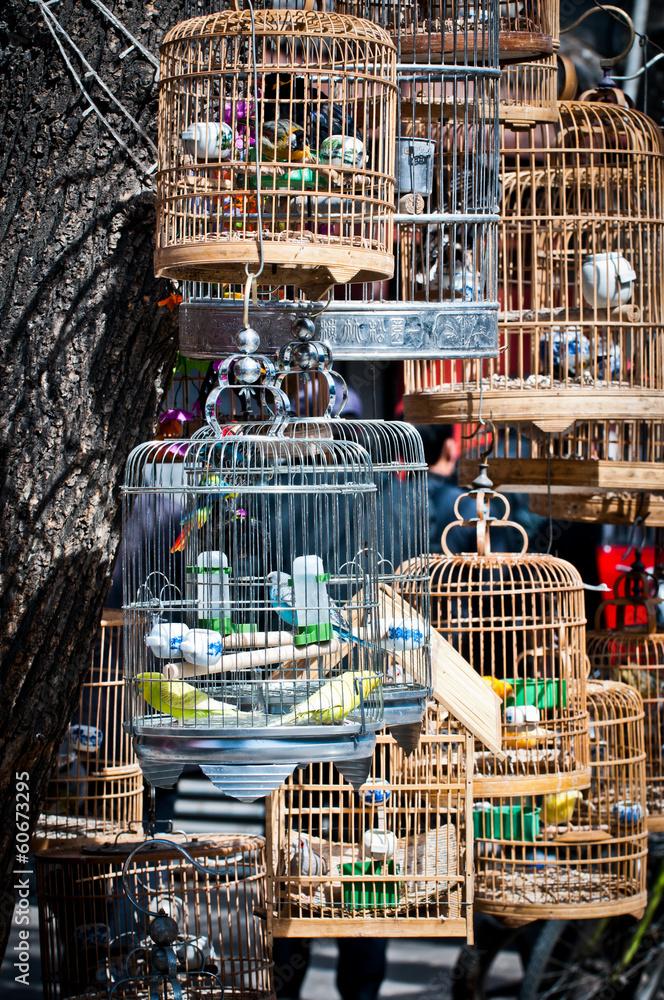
(627, 644)
(573, 854)
(604, 508)
(579, 375)
(91, 937)
(387, 860)
(96, 790)
(518, 619)
(276, 148)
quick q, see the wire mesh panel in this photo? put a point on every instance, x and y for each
(276, 147)
(581, 329)
(627, 645)
(240, 578)
(97, 787)
(572, 853)
(519, 620)
(387, 860)
(92, 938)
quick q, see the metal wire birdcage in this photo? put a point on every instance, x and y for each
(389, 859)
(572, 854)
(627, 644)
(242, 592)
(93, 941)
(581, 251)
(275, 149)
(518, 619)
(96, 789)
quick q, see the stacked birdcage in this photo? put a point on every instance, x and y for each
(95, 940)
(389, 859)
(571, 853)
(442, 301)
(627, 645)
(576, 393)
(96, 790)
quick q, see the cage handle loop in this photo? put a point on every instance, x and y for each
(483, 522)
(620, 15)
(621, 604)
(280, 405)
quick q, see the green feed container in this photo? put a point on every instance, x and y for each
(506, 822)
(366, 895)
(544, 692)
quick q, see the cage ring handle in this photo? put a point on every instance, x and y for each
(229, 873)
(483, 524)
(619, 14)
(280, 402)
(620, 603)
(331, 391)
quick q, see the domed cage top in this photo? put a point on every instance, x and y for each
(246, 565)
(580, 253)
(573, 853)
(518, 618)
(627, 644)
(275, 148)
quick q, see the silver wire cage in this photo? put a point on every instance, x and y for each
(242, 586)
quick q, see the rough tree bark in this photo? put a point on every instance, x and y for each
(86, 357)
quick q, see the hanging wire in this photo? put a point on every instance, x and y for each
(121, 27)
(548, 490)
(47, 18)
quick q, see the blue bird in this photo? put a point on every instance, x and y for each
(281, 599)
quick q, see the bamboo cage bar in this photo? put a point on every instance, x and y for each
(309, 122)
(96, 790)
(389, 860)
(91, 937)
(573, 854)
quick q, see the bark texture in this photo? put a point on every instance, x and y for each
(86, 357)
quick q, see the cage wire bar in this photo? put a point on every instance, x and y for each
(92, 938)
(627, 644)
(96, 790)
(389, 859)
(441, 300)
(573, 854)
(276, 121)
(239, 570)
(580, 373)
(518, 619)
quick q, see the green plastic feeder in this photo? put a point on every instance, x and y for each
(366, 895)
(544, 692)
(507, 822)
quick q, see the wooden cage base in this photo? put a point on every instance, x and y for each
(527, 912)
(530, 784)
(530, 475)
(551, 409)
(655, 824)
(601, 508)
(312, 264)
(513, 46)
(412, 926)
(520, 116)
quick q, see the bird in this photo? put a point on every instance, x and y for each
(284, 142)
(503, 689)
(286, 97)
(199, 517)
(186, 703)
(282, 600)
(527, 739)
(558, 808)
(165, 639)
(303, 860)
(332, 701)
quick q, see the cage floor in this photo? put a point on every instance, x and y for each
(564, 885)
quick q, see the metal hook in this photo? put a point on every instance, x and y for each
(491, 429)
(638, 522)
(619, 15)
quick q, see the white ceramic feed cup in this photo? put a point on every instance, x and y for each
(606, 280)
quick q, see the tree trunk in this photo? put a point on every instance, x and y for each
(86, 357)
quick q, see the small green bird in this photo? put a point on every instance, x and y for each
(333, 701)
(186, 703)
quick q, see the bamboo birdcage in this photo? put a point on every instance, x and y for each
(518, 619)
(632, 650)
(573, 854)
(96, 790)
(240, 604)
(612, 507)
(389, 860)
(311, 98)
(91, 937)
(580, 375)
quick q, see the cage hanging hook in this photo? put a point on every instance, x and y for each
(619, 15)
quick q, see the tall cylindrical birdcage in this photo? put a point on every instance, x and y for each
(518, 619)
(627, 644)
(96, 790)
(577, 390)
(92, 938)
(243, 591)
(391, 859)
(573, 854)
(275, 149)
